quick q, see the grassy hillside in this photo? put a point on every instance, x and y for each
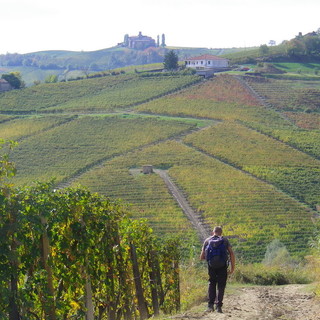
(37, 66)
(242, 157)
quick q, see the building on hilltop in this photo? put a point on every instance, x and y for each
(139, 42)
(207, 64)
(5, 85)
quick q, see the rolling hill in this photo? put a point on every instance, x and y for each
(37, 66)
(240, 152)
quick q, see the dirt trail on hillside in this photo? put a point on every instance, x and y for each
(199, 225)
(289, 302)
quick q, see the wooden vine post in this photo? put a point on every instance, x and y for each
(137, 280)
(13, 307)
(177, 283)
(13, 262)
(123, 279)
(88, 296)
(48, 299)
(111, 307)
(154, 283)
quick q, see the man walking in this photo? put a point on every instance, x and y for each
(215, 250)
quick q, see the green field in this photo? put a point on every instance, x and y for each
(248, 164)
(305, 68)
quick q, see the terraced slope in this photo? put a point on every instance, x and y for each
(23, 127)
(251, 211)
(98, 94)
(72, 147)
(263, 157)
(288, 95)
(236, 172)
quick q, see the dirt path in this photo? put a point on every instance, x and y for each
(202, 229)
(290, 302)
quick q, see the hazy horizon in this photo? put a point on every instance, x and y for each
(41, 25)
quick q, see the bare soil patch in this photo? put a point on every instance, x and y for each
(289, 302)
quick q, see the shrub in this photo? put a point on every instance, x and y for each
(260, 274)
(314, 261)
(278, 255)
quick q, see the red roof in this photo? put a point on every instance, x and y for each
(206, 57)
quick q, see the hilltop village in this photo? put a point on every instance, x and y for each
(142, 42)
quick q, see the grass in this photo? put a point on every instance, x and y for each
(305, 68)
(249, 55)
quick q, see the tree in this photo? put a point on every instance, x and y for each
(14, 78)
(51, 78)
(295, 47)
(312, 44)
(264, 49)
(171, 60)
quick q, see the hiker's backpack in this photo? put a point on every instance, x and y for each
(216, 252)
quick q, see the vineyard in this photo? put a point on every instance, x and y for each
(243, 152)
(147, 194)
(286, 95)
(97, 94)
(64, 150)
(304, 120)
(251, 211)
(223, 98)
(259, 154)
(71, 254)
(22, 128)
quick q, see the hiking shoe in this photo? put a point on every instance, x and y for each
(219, 309)
(209, 309)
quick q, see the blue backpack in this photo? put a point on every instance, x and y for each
(216, 252)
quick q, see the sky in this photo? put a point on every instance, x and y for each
(77, 25)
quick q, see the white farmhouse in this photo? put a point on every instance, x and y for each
(207, 61)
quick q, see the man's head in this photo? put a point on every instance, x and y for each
(217, 231)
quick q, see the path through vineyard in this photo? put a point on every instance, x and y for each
(203, 229)
(289, 302)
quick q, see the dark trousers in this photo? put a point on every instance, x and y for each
(217, 285)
